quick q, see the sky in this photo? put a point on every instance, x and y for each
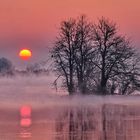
(34, 24)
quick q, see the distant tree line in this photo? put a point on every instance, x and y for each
(93, 58)
(6, 67)
(37, 68)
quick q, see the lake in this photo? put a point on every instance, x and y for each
(29, 110)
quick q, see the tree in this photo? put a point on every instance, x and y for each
(63, 54)
(6, 67)
(84, 53)
(129, 80)
(94, 58)
(73, 53)
(114, 53)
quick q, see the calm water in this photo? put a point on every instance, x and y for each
(106, 122)
(28, 112)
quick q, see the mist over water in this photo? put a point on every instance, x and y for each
(30, 109)
(27, 89)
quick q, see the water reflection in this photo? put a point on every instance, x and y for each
(78, 124)
(106, 122)
(25, 111)
(25, 121)
(25, 133)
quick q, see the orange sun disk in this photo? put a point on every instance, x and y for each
(25, 54)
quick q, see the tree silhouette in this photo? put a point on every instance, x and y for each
(84, 53)
(73, 53)
(6, 67)
(115, 56)
(63, 53)
(94, 58)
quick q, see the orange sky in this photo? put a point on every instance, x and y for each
(34, 23)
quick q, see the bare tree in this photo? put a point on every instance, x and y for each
(63, 54)
(84, 53)
(128, 80)
(114, 53)
(73, 53)
(95, 58)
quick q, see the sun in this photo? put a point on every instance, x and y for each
(25, 54)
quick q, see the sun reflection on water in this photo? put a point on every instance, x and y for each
(25, 111)
(25, 121)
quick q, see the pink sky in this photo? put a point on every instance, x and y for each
(34, 23)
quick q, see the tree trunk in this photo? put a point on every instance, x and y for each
(102, 88)
(70, 90)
